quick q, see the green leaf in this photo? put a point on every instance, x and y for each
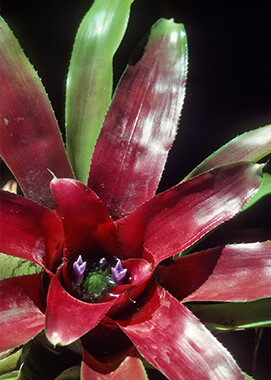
(11, 376)
(15, 266)
(233, 315)
(247, 377)
(9, 363)
(265, 189)
(90, 78)
(250, 146)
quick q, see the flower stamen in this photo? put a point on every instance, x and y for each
(94, 280)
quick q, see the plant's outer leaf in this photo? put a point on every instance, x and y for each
(9, 363)
(184, 275)
(90, 78)
(130, 367)
(72, 373)
(233, 315)
(172, 339)
(141, 123)
(68, 318)
(30, 141)
(247, 377)
(188, 211)
(250, 146)
(242, 273)
(10, 376)
(11, 266)
(20, 310)
(265, 189)
(86, 222)
(29, 230)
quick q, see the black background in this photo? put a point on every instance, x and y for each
(228, 86)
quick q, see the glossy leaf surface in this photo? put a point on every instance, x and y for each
(184, 275)
(68, 318)
(29, 230)
(242, 273)
(250, 146)
(85, 220)
(183, 349)
(30, 141)
(20, 310)
(177, 218)
(131, 367)
(141, 123)
(90, 78)
(233, 315)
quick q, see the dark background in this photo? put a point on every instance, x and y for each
(228, 86)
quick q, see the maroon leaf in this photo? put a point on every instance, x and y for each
(21, 317)
(139, 273)
(171, 338)
(177, 218)
(242, 273)
(141, 123)
(29, 231)
(68, 318)
(86, 221)
(30, 141)
(184, 275)
(125, 366)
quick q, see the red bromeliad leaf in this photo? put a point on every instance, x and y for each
(130, 367)
(29, 231)
(85, 219)
(177, 218)
(242, 273)
(250, 146)
(139, 273)
(68, 318)
(184, 275)
(139, 270)
(141, 123)
(30, 141)
(171, 338)
(21, 317)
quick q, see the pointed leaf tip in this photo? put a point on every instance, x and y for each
(170, 27)
(250, 146)
(129, 159)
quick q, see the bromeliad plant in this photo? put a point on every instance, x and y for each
(107, 245)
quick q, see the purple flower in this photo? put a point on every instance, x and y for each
(118, 272)
(79, 267)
